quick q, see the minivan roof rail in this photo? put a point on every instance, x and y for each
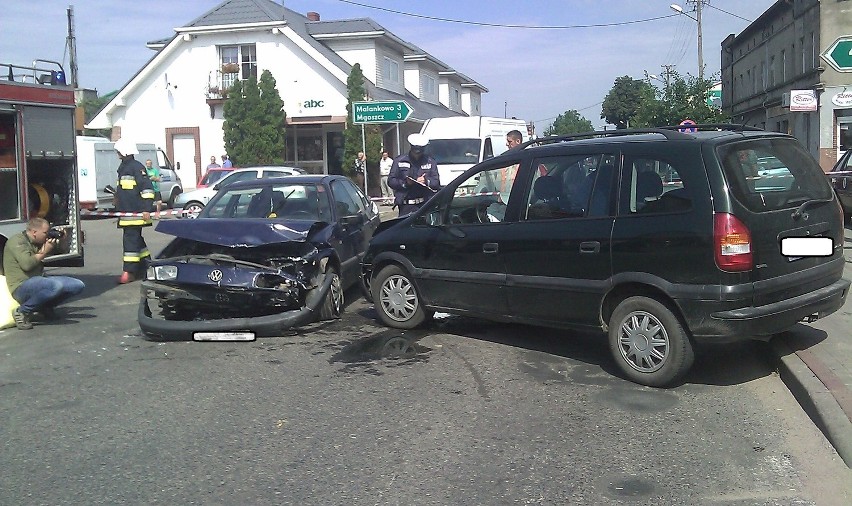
(671, 132)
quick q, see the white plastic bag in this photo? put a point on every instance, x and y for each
(7, 305)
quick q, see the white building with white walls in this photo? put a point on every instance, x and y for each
(176, 99)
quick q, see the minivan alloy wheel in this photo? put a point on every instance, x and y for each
(643, 341)
(396, 298)
(648, 342)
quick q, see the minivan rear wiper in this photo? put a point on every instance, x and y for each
(801, 209)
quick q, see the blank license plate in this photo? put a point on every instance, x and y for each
(223, 336)
(797, 247)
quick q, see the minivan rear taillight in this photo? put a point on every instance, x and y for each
(731, 243)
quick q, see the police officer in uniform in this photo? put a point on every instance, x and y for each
(414, 176)
(133, 194)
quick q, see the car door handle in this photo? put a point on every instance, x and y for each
(590, 247)
(489, 247)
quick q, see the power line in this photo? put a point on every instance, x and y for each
(578, 110)
(729, 13)
(498, 25)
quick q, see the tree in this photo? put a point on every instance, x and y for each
(624, 100)
(255, 124)
(352, 132)
(569, 122)
(91, 107)
(680, 99)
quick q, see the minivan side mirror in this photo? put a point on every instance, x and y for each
(177, 165)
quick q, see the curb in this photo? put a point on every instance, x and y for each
(815, 398)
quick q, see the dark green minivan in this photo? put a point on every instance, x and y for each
(659, 237)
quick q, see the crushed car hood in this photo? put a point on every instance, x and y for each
(238, 233)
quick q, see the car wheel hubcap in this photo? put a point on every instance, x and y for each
(643, 342)
(336, 294)
(398, 298)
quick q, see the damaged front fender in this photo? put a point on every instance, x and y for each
(268, 325)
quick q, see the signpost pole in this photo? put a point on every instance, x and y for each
(364, 149)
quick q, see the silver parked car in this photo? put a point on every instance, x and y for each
(192, 202)
(170, 186)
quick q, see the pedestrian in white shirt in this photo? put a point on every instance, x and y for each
(385, 165)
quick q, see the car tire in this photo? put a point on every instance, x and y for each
(332, 305)
(172, 198)
(191, 209)
(396, 298)
(649, 343)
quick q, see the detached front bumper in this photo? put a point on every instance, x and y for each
(269, 325)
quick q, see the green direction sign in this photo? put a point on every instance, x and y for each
(839, 54)
(391, 111)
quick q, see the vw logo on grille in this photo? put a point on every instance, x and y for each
(215, 275)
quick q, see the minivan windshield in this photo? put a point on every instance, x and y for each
(774, 173)
(446, 151)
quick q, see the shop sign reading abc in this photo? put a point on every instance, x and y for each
(803, 100)
(311, 104)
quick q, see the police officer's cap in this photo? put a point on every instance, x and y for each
(418, 140)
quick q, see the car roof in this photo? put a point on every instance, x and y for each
(716, 133)
(301, 179)
(264, 167)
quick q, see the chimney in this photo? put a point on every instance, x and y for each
(313, 16)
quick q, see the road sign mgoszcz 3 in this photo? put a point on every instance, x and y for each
(391, 111)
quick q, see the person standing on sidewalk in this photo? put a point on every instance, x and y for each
(23, 265)
(385, 165)
(134, 194)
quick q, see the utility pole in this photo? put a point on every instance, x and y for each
(72, 48)
(697, 18)
(698, 4)
(667, 72)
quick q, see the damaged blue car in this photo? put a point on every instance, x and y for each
(263, 256)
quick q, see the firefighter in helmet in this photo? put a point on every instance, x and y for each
(133, 194)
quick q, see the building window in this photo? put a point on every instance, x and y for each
(390, 70)
(813, 50)
(771, 79)
(455, 98)
(474, 105)
(428, 84)
(783, 66)
(802, 46)
(237, 62)
(762, 76)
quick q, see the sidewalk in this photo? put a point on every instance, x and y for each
(816, 365)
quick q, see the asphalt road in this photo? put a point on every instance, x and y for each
(472, 413)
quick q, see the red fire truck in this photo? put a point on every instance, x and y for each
(38, 173)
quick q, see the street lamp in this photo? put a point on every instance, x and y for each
(698, 3)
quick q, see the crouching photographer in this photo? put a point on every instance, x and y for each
(23, 265)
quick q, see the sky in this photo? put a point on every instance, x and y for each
(543, 66)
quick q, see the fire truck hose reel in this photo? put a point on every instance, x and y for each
(42, 200)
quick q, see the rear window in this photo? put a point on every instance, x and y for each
(213, 176)
(771, 174)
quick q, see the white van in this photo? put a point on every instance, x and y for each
(97, 167)
(459, 142)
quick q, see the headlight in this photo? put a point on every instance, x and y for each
(162, 272)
